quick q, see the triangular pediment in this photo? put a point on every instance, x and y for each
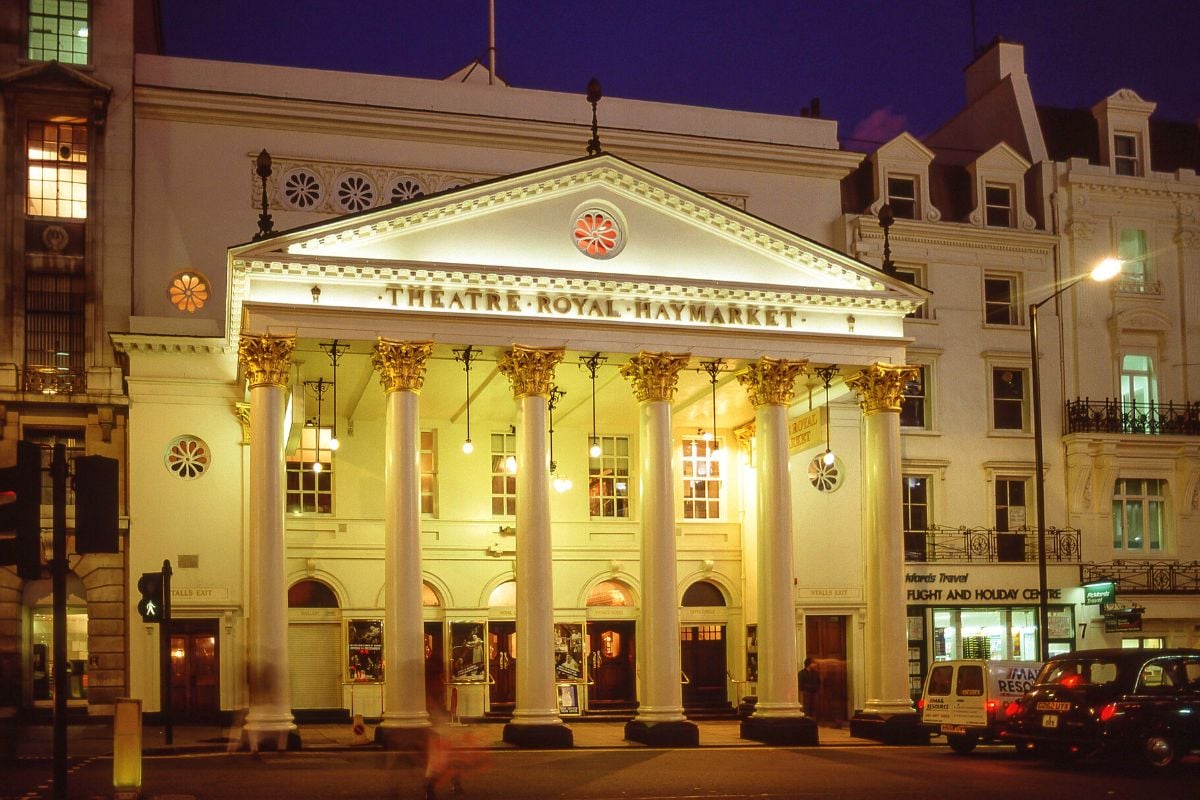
(1001, 159)
(903, 149)
(52, 74)
(598, 219)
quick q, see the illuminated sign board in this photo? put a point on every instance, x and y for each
(1099, 593)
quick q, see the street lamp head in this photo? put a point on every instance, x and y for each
(1106, 269)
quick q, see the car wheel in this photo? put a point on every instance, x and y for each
(1158, 751)
(962, 744)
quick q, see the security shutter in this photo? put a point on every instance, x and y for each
(315, 665)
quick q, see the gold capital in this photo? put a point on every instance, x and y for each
(530, 370)
(771, 381)
(401, 365)
(266, 359)
(242, 412)
(654, 375)
(880, 387)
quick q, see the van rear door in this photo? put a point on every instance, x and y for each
(969, 702)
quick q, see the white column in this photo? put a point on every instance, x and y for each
(266, 361)
(654, 377)
(770, 386)
(401, 367)
(531, 371)
(880, 388)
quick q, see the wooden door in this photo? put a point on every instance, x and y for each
(195, 670)
(611, 665)
(702, 659)
(435, 669)
(825, 643)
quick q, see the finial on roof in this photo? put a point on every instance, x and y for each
(266, 225)
(593, 96)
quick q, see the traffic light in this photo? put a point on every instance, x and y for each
(96, 505)
(21, 512)
(151, 605)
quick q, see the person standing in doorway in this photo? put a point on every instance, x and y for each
(810, 684)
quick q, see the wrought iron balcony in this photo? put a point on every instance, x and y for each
(943, 543)
(1115, 416)
(37, 379)
(1146, 577)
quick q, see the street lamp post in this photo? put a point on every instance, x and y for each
(1104, 271)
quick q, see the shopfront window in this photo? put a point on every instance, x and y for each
(996, 633)
(43, 653)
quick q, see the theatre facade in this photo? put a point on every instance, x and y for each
(544, 445)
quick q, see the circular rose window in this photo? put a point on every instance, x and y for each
(825, 477)
(187, 457)
(597, 233)
(188, 291)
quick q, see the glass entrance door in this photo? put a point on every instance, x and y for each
(502, 666)
(702, 659)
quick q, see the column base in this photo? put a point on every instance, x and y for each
(786, 731)
(904, 728)
(256, 740)
(397, 738)
(663, 734)
(545, 737)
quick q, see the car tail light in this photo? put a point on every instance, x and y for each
(1108, 712)
(992, 705)
(1070, 681)
(921, 704)
(1012, 709)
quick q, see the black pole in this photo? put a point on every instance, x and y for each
(164, 651)
(1038, 487)
(58, 573)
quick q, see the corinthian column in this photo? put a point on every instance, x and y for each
(887, 713)
(535, 721)
(777, 716)
(660, 719)
(401, 367)
(266, 361)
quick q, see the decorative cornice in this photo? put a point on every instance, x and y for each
(955, 234)
(654, 375)
(266, 359)
(401, 365)
(530, 370)
(771, 381)
(167, 343)
(880, 387)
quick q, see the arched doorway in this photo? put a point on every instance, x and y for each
(435, 659)
(502, 649)
(314, 648)
(612, 649)
(702, 648)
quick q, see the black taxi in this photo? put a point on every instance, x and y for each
(1143, 703)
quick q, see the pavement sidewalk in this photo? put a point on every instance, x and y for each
(96, 738)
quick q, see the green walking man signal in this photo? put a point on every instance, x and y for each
(151, 605)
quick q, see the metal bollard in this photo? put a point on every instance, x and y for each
(127, 748)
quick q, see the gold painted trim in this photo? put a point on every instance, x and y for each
(654, 375)
(880, 387)
(401, 365)
(266, 360)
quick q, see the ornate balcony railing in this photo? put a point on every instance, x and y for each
(52, 380)
(1114, 416)
(1146, 577)
(942, 543)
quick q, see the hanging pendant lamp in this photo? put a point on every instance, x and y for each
(591, 364)
(466, 356)
(826, 374)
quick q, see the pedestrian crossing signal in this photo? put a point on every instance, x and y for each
(151, 605)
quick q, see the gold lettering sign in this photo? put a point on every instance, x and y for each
(803, 430)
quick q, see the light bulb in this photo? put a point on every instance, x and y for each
(708, 436)
(316, 467)
(468, 447)
(562, 485)
(715, 452)
(510, 464)
(594, 451)
(829, 457)
(334, 444)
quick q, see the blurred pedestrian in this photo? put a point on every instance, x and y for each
(810, 684)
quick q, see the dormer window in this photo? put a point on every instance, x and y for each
(1125, 154)
(902, 196)
(998, 206)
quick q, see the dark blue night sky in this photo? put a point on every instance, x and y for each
(877, 67)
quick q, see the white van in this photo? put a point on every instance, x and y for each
(966, 700)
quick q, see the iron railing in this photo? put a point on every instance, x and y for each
(52, 380)
(1146, 577)
(1117, 416)
(943, 543)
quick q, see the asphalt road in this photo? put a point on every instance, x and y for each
(895, 773)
